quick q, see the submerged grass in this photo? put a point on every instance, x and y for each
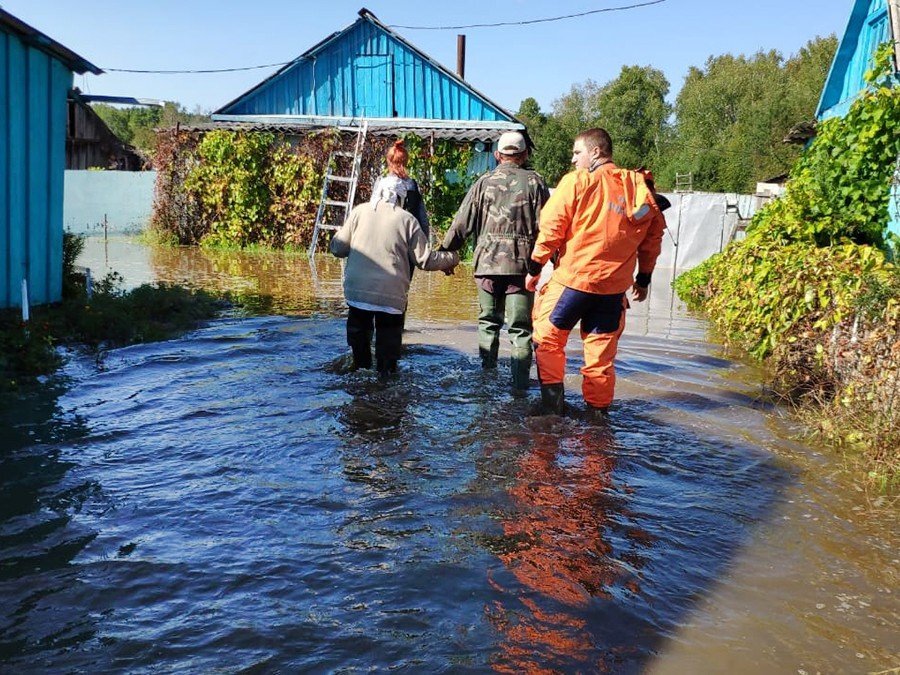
(145, 314)
(110, 318)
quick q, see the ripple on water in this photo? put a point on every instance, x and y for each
(235, 499)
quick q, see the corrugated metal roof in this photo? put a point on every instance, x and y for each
(448, 129)
(35, 38)
(367, 70)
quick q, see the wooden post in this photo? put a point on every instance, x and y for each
(894, 11)
(26, 305)
(461, 56)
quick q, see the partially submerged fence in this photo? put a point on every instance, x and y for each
(702, 224)
(111, 201)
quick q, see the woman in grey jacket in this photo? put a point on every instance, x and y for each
(382, 242)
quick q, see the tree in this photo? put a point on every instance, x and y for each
(136, 125)
(806, 73)
(553, 145)
(732, 114)
(633, 109)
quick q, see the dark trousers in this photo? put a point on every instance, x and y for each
(388, 330)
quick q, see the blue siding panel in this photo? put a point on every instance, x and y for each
(868, 27)
(33, 89)
(894, 210)
(37, 195)
(366, 71)
(16, 171)
(5, 297)
(60, 84)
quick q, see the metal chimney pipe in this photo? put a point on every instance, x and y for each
(461, 56)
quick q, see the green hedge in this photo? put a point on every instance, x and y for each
(245, 189)
(814, 268)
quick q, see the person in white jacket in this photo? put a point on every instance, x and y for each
(382, 242)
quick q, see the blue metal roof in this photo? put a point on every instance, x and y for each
(869, 26)
(366, 71)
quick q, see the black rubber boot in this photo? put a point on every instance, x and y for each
(359, 338)
(386, 367)
(600, 415)
(553, 399)
(362, 352)
(521, 372)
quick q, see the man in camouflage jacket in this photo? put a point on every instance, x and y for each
(501, 213)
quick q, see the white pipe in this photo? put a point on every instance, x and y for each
(25, 308)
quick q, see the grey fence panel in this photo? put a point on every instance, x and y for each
(702, 224)
(121, 199)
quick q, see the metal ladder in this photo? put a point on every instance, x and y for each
(684, 182)
(326, 203)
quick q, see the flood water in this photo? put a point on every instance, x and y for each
(231, 501)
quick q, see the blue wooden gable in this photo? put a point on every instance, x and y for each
(366, 71)
(872, 22)
(868, 27)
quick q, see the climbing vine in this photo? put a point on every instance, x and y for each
(814, 274)
(230, 182)
(828, 231)
(241, 189)
(441, 169)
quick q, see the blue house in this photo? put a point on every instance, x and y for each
(35, 79)
(367, 71)
(872, 22)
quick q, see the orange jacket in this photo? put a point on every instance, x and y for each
(602, 223)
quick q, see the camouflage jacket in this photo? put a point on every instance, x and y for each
(500, 212)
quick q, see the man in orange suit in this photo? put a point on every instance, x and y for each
(601, 223)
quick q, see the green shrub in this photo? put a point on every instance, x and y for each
(808, 253)
(244, 189)
(815, 268)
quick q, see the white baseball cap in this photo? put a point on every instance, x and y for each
(511, 143)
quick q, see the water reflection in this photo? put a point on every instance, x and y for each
(553, 542)
(41, 532)
(271, 281)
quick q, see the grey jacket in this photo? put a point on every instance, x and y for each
(381, 246)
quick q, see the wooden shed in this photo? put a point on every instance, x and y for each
(36, 75)
(369, 72)
(90, 144)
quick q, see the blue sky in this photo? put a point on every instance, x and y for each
(507, 64)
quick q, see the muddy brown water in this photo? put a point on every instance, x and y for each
(230, 501)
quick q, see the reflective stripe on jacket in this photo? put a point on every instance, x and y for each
(602, 223)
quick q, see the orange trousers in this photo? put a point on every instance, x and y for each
(556, 311)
